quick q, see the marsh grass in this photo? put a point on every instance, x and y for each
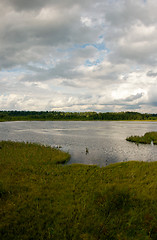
(40, 199)
(148, 138)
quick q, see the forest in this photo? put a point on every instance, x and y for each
(73, 116)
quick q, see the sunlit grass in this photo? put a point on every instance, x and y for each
(149, 137)
(40, 199)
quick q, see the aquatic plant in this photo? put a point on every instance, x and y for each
(148, 138)
(87, 151)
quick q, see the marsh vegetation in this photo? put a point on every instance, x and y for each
(41, 199)
(148, 138)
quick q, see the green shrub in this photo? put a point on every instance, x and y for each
(148, 138)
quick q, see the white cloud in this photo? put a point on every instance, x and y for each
(86, 21)
(78, 55)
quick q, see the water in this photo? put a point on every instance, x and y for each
(105, 141)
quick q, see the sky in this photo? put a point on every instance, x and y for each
(78, 55)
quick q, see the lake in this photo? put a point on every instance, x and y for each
(105, 140)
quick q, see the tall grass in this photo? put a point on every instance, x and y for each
(148, 138)
(40, 199)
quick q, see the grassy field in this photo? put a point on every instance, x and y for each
(148, 138)
(41, 199)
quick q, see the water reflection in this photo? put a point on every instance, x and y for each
(105, 141)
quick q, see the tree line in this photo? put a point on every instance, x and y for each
(75, 116)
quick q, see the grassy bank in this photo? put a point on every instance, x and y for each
(148, 138)
(40, 199)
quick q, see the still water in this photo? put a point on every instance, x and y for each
(105, 140)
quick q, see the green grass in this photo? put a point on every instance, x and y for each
(41, 199)
(146, 139)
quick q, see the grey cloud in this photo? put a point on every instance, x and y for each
(136, 107)
(154, 103)
(130, 32)
(72, 83)
(126, 12)
(133, 97)
(85, 53)
(152, 96)
(67, 30)
(20, 5)
(126, 104)
(62, 70)
(151, 74)
(31, 5)
(20, 40)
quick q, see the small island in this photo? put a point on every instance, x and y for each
(148, 138)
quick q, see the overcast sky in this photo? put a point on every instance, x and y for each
(78, 55)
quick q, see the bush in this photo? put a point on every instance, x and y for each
(148, 138)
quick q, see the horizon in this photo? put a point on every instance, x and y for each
(45, 111)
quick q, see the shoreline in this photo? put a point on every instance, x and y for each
(59, 120)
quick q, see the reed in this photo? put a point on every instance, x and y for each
(148, 138)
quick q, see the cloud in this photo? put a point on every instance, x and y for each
(132, 26)
(152, 96)
(133, 97)
(78, 55)
(151, 74)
